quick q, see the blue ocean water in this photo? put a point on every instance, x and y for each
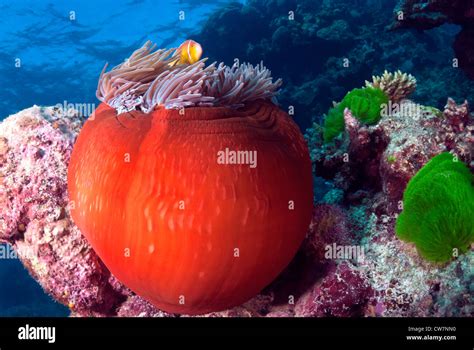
(63, 45)
(53, 51)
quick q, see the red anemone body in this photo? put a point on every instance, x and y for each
(176, 225)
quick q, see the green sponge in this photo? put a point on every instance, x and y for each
(438, 209)
(365, 104)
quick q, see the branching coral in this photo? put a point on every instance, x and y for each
(396, 86)
(365, 104)
(438, 207)
(150, 78)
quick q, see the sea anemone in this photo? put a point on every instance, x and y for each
(397, 86)
(151, 78)
(200, 193)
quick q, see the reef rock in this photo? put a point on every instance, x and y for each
(407, 285)
(372, 166)
(329, 225)
(384, 157)
(343, 292)
(423, 14)
(35, 146)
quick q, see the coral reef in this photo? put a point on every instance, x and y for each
(391, 279)
(365, 104)
(438, 209)
(321, 50)
(134, 306)
(372, 165)
(36, 145)
(387, 155)
(329, 225)
(396, 86)
(428, 14)
(407, 285)
(343, 292)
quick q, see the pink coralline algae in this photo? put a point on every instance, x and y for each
(135, 306)
(458, 130)
(256, 307)
(344, 292)
(406, 285)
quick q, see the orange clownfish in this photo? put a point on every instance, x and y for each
(188, 52)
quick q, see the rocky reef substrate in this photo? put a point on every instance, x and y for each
(351, 263)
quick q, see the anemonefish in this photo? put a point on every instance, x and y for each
(188, 52)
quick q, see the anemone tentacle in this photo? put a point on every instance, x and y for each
(151, 77)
